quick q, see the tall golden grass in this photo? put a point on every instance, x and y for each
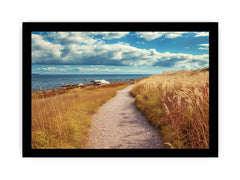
(62, 121)
(177, 103)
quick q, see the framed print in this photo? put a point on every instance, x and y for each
(123, 89)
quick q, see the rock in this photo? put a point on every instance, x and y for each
(100, 82)
(96, 82)
(67, 85)
(104, 81)
(80, 84)
(70, 86)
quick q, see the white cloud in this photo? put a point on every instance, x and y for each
(150, 35)
(174, 34)
(200, 34)
(206, 45)
(117, 70)
(72, 37)
(110, 35)
(82, 49)
(87, 69)
(80, 37)
(61, 69)
(92, 69)
(49, 69)
(63, 34)
(97, 65)
(203, 47)
(187, 64)
(44, 50)
(54, 69)
(106, 69)
(154, 35)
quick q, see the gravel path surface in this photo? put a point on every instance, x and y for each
(119, 125)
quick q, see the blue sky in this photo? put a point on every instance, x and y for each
(118, 52)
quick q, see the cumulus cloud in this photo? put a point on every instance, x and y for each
(52, 69)
(204, 46)
(182, 60)
(83, 48)
(81, 69)
(187, 64)
(200, 34)
(85, 69)
(44, 51)
(110, 35)
(117, 70)
(84, 37)
(149, 36)
(73, 37)
(49, 69)
(174, 34)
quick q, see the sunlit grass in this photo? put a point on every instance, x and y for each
(177, 103)
(62, 120)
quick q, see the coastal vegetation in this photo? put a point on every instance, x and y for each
(61, 118)
(177, 104)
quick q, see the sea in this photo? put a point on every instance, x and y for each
(55, 81)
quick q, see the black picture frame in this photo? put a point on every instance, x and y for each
(28, 27)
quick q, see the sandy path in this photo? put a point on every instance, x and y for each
(119, 125)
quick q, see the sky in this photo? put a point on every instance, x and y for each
(118, 52)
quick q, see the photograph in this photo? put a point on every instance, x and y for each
(120, 89)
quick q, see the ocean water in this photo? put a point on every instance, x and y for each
(46, 82)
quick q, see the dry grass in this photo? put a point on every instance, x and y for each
(62, 120)
(177, 103)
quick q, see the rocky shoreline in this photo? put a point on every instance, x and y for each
(68, 87)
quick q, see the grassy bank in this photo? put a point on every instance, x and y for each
(61, 119)
(177, 103)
